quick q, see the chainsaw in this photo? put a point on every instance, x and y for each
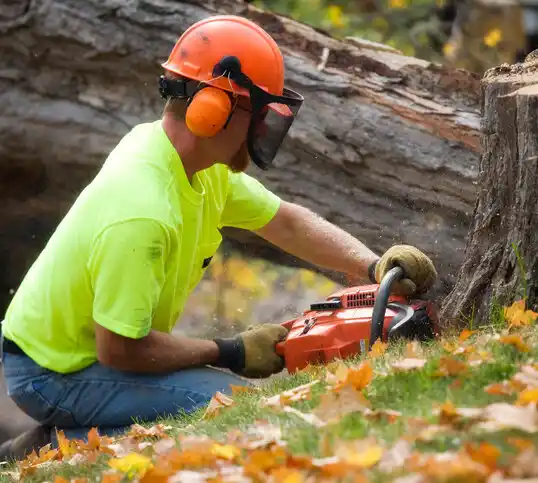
(349, 322)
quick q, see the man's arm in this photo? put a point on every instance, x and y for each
(155, 353)
(300, 232)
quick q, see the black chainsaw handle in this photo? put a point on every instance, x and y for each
(381, 301)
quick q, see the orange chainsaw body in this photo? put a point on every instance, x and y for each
(340, 326)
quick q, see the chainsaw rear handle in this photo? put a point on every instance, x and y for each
(381, 301)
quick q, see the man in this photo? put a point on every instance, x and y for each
(87, 336)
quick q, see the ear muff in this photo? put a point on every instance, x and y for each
(208, 111)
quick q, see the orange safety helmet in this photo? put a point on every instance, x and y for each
(220, 58)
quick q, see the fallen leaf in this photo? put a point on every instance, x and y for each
(132, 465)
(287, 475)
(395, 457)
(361, 454)
(450, 366)
(244, 389)
(378, 349)
(299, 393)
(516, 341)
(504, 415)
(525, 464)
(449, 414)
(138, 432)
(217, 403)
(307, 417)
(484, 453)
(447, 466)
(111, 478)
(334, 405)
(408, 364)
(465, 334)
(360, 377)
(499, 388)
(413, 350)
(527, 396)
(517, 316)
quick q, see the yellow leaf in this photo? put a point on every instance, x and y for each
(397, 3)
(528, 396)
(134, 464)
(448, 49)
(365, 459)
(493, 37)
(335, 16)
(378, 348)
(361, 377)
(517, 316)
(225, 451)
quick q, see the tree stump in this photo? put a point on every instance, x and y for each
(501, 255)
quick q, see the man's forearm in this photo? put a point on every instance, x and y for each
(304, 234)
(158, 352)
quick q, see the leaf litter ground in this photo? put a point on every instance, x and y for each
(463, 408)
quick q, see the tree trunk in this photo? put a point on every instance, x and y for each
(501, 256)
(386, 146)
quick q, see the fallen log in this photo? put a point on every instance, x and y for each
(501, 256)
(386, 146)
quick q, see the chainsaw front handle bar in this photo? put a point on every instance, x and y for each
(381, 301)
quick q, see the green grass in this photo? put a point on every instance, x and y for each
(415, 394)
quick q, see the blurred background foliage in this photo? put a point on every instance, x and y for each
(407, 25)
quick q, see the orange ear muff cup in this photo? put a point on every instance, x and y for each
(208, 112)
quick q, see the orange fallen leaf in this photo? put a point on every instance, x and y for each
(516, 341)
(218, 402)
(362, 376)
(287, 475)
(138, 432)
(499, 388)
(465, 334)
(484, 453)
(111, 478)
(243, 389)
(450, 366)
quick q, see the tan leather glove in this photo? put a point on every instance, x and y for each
(419, 269)
(252, 353)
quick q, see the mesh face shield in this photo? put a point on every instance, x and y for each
(272, 116)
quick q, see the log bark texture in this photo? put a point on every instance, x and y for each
(505, 219)
(386, 146)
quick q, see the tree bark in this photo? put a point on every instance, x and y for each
(501, 255)
(386, 146)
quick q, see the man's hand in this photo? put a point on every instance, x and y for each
(252, 353)
(419, 269)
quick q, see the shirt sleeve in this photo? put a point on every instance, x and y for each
(249, 204)
(127, 272)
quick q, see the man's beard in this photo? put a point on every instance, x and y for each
(240, 159)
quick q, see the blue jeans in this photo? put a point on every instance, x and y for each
(106, 398)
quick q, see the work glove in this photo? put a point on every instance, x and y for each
(252, 353)
(420, 273)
